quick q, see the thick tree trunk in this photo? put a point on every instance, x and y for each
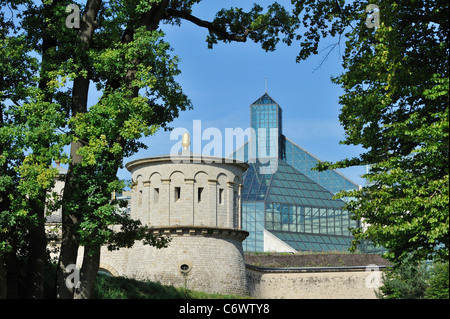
(3, 285)
(88, 273)
(12, 274)
(69, 243)
(4, 205)
(68, 253)
(70, 220)
(37, 256)
(37, 238)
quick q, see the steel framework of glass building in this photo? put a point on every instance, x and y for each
(292, 203)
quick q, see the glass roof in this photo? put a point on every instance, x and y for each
(301, 161)
(265, 99)
(311, 242)
(295, 157)
(286, 185)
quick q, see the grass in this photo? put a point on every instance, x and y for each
(331, 252)
(107, 287)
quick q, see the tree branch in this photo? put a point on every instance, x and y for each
(220, 31)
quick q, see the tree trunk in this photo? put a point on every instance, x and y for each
(69, 241)
(37, 238)
(36, 253)
(68, 254)
(3, 285)
(88, 273)
(4, 205)
(12, 273)
(69, 246)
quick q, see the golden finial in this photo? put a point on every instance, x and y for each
(186, 141)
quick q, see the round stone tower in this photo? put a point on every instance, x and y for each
(196, 201)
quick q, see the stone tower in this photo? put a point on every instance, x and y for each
(196, 202)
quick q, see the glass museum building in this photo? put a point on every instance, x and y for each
(287, 206)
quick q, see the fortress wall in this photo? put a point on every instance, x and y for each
(343, 284)
(167, 193)
(212, 260)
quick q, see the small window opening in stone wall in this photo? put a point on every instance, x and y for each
(199, 194)
(220, 196)
(177, 193)
(156, 195)
(140, 198)
(184, 268)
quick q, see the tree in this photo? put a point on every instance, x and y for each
(26, 146)
(410, 280)
(123, 52)
(394, 105)
(439, 279)
(10, 150)
(407, 281)
(118, 47)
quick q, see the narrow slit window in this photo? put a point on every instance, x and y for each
(220, 196)
(156, 195)
(177, 193)
(199, 194)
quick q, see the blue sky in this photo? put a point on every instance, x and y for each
(224, 81)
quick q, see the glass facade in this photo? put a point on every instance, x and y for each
(303, 161)
(293, 203)
(295, 209)
(265, 115)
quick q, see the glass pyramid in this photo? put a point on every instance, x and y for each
(303, 161)
(286, 185)
(295, 209)
(293, 204)
(265, 99)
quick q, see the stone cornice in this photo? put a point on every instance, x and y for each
(189, 159)
(192, 230)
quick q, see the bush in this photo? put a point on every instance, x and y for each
(407, 281)
(439, 278)
(416, 281)
(107, 287)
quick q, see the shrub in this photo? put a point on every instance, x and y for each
(407, 281)
(439, 282)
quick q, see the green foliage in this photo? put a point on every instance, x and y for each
(407, 281)
(124, 288)
(27, 144)
(439, 282)
(394, 105)
(265, 28)
(39, 61)
(416, 281)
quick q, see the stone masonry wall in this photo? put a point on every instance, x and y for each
(357, 284)
(214, 258)
(167, 193)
